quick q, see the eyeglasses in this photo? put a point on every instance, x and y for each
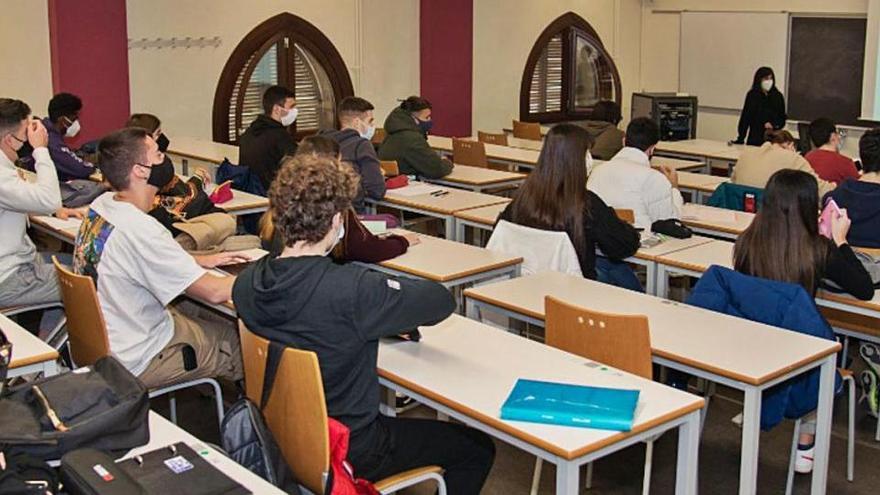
(20, 140)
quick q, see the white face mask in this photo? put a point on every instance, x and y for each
(589, 163)
(767, 84)
(289, 117)
(338, 239)
(73, 130)
(369, 133)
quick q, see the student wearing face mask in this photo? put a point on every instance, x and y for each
(826, 159)
(357, 127)
(756, 165)
(63, 122)
(267, 140)
(763, 110)
(177, 198)
(407, 127)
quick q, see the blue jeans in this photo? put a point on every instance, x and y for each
(618, 274)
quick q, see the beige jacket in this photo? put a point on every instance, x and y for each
(756, 165)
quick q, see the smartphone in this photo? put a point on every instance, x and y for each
(189, 358)
(830, 212)
(749, 205)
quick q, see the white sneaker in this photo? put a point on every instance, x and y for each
(803, 462)
(737, 420)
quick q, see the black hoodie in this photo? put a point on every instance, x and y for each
(339, 312)
(263, 145)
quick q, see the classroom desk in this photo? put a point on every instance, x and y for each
(164, 433)
(715, 222)
(526, 144)
(466, 370)
(478, 179)
(699, 185)
(478, 218)
(544, 130)
(647, 256)
(443, 207)
(707, 150)
(710, 345)
(452, 264)
(507, 155)
(201, 152)
(677, 164)
(62, 230)
(245, 203)
(29, 353)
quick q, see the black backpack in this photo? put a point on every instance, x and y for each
(248, 441)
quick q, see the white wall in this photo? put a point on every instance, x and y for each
(377, 39)
(24, 50)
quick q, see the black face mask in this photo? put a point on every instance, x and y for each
(161, 174)
(25, 151)
(163, 142)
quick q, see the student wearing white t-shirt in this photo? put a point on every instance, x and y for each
(140, 269)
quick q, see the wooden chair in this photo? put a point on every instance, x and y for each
(490, 138)
(626, 215)
(389, 168)
(379, 136)
(466, 152)
(87, 334)
(297, 416)
(527, 130)
(621, 341)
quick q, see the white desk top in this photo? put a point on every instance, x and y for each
(716, 219)
(742, 350)
(526, 144)
(493, 151)
(486, 215)
(244, 201)
(703, 148)
(677, 163)
(455, 200)
(700, 182)
(700, 258)
(670, 245)
(164, 433)
(471, 368)
(26, 348)
(441, 260)
(477, 176)
(201, 149)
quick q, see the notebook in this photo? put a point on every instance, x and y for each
(571, 405)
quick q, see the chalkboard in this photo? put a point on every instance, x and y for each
(825, 66)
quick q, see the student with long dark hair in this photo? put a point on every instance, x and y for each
(763, 110)
(783, 244)
(555, 197)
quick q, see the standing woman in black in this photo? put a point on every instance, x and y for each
(763, 110)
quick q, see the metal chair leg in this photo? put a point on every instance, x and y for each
(172, 408)
(536, 476)
(791, 457)
(649, 459)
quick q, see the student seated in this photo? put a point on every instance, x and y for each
(826, 159)
(756, 165)
(358, 243)
(139, 270)
(177, 198)
(553, 198)
(302, 299)
(26, 276)
(63, 122)
(602, 126)
(267, 140)
(627, 181)
(861, 197)
(783, 244)
(356, 130)
(406, 142)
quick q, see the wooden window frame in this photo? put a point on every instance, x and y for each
(569, 25)
(258, 41)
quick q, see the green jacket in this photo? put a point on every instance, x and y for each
(608, 139)
(406, 143)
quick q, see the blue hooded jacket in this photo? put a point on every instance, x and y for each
(774, 303)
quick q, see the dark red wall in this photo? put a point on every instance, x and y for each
(89, 45)
(446, 63)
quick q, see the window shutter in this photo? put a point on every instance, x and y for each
(308, 97)
(265, 74)
(546, 91)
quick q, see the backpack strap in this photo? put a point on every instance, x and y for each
(276, 351)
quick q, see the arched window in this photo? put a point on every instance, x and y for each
(289, 51)
(567, 72)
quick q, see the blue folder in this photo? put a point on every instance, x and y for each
(571, 405)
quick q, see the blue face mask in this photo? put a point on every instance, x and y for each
(426, 125)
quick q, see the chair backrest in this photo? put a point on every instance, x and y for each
(621, 341)
(527, 130)
(541, 250)
(490, 138)
(466, 152)
(626, 215)
(86, 329)
(379, 136)
(296, 412)
(804, 144)
(389, 168)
